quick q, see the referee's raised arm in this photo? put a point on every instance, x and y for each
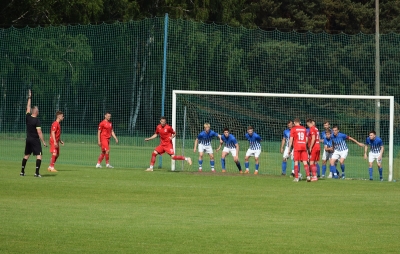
(28, 104)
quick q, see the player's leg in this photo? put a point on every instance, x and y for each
(225, 152)
(27, 153)
(343, 156)
(296, 158)
(37, 151)
(200, 160)
(380, 169)
(170, 150)
(236, 160)
(246, 161)
(212, 162)
(335, 156)
(103, 149)
(158, 150)
(54, 155)
(256, 159)
(107, 153)
(284, 160)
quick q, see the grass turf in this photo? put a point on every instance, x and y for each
(122, 210)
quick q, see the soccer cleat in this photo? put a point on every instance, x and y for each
(247, 171)
(381, 179)
(343, 177)
(98, 165)
(371, 179)
(109, 166)
(200, 169)
(213, 170)
(300, 177)
(256, 172)
(50, 169)
(335, 177)
(314, 179)
(223, 171)
(308, 179)
(149, 169)
(240, 172)
(323, 176)
(330, 175)
(283, 174)
(291, 174)
(296, 180)
(37, 175)
(189, 160)
(21, 174)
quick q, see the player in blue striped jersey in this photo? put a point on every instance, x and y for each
(231, 146)
(285, 149)
(340, 150)
(254, 149)
(375, 153)
(203, 141)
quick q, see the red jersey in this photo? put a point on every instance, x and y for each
(57, 132)
(165, 133)
(105, 127)
(313, 131)
(299, 135)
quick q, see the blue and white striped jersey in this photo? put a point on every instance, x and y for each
(375, 144)
(254, 141)
(230, 141)
(339, 141)
(205, 137)
(286, 136)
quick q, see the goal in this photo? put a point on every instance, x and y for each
(268, 113)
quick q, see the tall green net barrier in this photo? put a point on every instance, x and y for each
(85, 71)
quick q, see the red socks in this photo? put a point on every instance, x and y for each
(178, 158)
(101, 157)
(307, 169)
(314, 170)
(296, 171)
(107, 158)
(153, 159)
(53, 160)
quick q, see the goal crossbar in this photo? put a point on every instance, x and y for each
(284, 95)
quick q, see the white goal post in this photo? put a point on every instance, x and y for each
(283, 95)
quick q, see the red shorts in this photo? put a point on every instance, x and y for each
(54, 149)
(169, 149)
(315, 153)
(300, 155)
(105, 145)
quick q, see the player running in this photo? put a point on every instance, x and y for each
(55, 141)
(231, 146)
(340, 150)
(254, 149)
(33, 137)
(203, 141)
(314, 149)
(285, 149)
(298, 139)
(104, 133)
(376, 153)
(166, 135)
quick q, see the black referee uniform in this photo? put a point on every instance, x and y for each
(32, 145)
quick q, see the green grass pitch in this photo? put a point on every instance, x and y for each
(81, 209)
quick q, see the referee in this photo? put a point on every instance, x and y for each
(33, 137)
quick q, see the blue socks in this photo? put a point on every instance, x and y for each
(200, 163)
(246, 165)
(212, 165)
(318, 169)
(380, 173)
(238, 165)
(323, 169)
(223, 163)
(284, 164)
(370, 173)
(257, 165)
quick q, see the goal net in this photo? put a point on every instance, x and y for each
(269, 113)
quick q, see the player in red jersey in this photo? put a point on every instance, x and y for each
(104, 134)
(314, 149)
(166, 135)
(298, 138)
(55, 134)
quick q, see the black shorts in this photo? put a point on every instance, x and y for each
(33, 145)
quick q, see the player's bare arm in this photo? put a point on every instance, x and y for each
(355, 141)
(237, 152)
(381, 153)
(365, 152)
(172, 136)
(28, 104)
(114, 136)
(283, 144)
(53, 136)
(220, 144)
(152, 137)
(195, 144)
(39, 131)
(98, 138)
(290, 142)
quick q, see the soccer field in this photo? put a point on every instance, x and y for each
(123, 210)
